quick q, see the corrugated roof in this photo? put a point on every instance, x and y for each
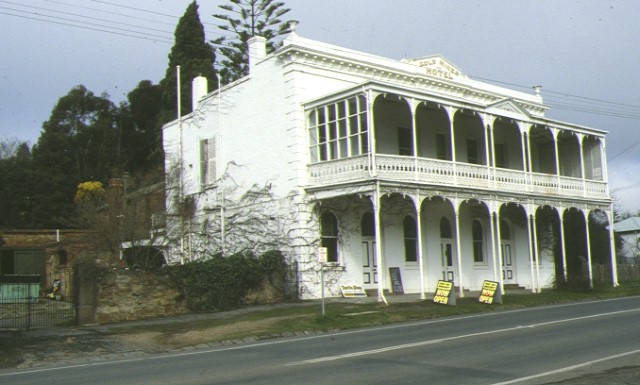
(627, 225)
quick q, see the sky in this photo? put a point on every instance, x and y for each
(584, 54)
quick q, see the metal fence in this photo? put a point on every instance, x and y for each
(23, 305)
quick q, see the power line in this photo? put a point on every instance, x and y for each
(134, 8)
(35, 15)
(569, 102)
(142, 36)
(108, 12)
(92, 26)
(84, 17)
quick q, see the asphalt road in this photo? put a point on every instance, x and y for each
(529, 346)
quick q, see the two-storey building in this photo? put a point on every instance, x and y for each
(408, 164)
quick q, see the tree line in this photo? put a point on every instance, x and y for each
(89, 138)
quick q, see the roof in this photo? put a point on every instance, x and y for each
(627, 225)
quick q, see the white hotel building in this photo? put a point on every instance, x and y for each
(386, 163)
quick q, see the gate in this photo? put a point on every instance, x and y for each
(22, 306)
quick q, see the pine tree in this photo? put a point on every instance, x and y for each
(141, 132)
(194, 56)
(245, 19)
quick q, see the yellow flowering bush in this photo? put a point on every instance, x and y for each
(88, 191)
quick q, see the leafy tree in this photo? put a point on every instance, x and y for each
(80, 141)
(245, 19)
(194, 56)
(16, 189)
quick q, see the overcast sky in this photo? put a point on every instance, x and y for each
(585, 54)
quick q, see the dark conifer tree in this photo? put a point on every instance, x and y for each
(194, 56)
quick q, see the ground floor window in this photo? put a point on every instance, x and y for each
(410, 240)
(329, 235)
(478, 242)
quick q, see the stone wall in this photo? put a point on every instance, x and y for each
(115, 295)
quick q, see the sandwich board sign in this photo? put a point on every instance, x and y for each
(490, 293)
(444, 293)
(396, 280)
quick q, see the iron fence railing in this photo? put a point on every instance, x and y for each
(33, 311)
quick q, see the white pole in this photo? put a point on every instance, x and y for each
(221, 168)
(322, 284)
(178, 89)
(180, 149)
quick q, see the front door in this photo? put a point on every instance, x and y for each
(446, 248)
(369, 264)
(508, 267)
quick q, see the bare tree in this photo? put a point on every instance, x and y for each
(9, 147)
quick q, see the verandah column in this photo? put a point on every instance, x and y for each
(417, 201)
(563, 243)
(555, 132)
(524, 144)
(582, 174)
(414, 130)
(524, 160)
(373, 168)
(456, 210)
(492, 218)
(603, 164)
(451, 111)
(535, 250)
(586, 225)
(614, 264)
(530, 238)
(500, 257)
(378, 237)
(488, 122)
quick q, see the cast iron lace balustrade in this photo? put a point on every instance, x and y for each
(439, 172)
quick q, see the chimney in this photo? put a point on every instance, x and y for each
(257, 50)
(199, 88)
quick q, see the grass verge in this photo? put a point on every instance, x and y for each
(344, 315)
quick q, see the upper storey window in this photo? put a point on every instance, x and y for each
(338, 130)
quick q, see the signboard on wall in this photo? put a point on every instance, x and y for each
(322, 254)
(352, 291)
(444, 293)
(490, 293)
(396, 280)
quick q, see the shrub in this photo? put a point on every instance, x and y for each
(221, 283)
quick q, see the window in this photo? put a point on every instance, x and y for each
(478, 242)
(329, 235)
(505, 231)
(367, 225)
(445, 228)
(501, 155)
(62, 257)
(472, 151)
(410, 240)
(338, 130)
(207, 162)
(7, 262)
(442, 147)
(405, 141)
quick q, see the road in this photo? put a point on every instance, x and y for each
(529, 346)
